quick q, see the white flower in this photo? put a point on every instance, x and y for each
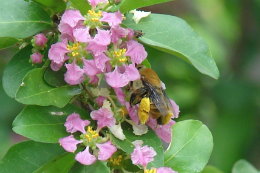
(138, 15)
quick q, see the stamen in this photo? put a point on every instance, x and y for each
(116, 161)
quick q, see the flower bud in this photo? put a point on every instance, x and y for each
(39, 40)
(36, 58)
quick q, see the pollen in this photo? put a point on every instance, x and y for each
(95, 16)
(116, 160)
(144, 109)
(120, 55)
(151, 171)
(91, 134)
(74, 49)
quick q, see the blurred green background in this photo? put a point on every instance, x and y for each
(228, 106)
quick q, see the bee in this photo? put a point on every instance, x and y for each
(152, 99)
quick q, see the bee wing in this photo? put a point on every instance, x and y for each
(157, 98)
(167, 100)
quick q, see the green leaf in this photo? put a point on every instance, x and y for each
(60, 164)
(150, 139)
(57, 6)
(146, 63)
(98, 166)
(29, 156)
(191, 146)
(82, 5)
(6, 42)
(173, 35)
(15, 71)
(211, 169)
(127, 5)
(45, 124)
(55, 78)
(21, 19)
(243, 166)
(35, 91)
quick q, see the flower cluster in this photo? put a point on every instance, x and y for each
(39, 43)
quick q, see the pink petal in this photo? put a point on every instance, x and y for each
(165, 170)
(120, 95)
(118, 32)
(82, 34)
(136, 51)
(142, 155)
(102, 37)
(69, 143)
(36, 58)
(95, 48)
(132, 111)
(90, 68)
(93, 3)
(100, 61)
(113, 19)
(85, 158)
(104, 117)
(93, 80)
(74, 74)
(175, 109)
(115, 79)
(64, 28)
(106, 150)
(131, 72)
(71, 17)
(57, 52)
(75, 123)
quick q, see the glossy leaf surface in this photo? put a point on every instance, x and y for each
(243, 166)
(6, 42)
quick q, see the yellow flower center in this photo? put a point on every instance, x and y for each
(91, 134)
(74, 49)
(154, 170)
(95, 16)
(116, 160)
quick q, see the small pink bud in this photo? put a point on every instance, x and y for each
(36, 58)
(40, 40)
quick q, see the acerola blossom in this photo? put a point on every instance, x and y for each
(40, 40)
(100, 100)
(136, 52)
(85, 158)
(118, 32)
(90, 68)
(104, 117)
(100, 61)
(75, 123)
(176, 109)
(69, 143)
(131, 72)
(142, 155)
(113, 19)
(82, 34)
(74, 74)
(106, 150)
(132, 112)
(71, 17)
(116, 79)
(36, 58)
(57, 52)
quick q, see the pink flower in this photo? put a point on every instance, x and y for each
(94, 80)
(40, 40)
(100, 61)
(118, 32)
(90, 68)
(165, 170)
(100, 100)
(113, 19)
(163, 131)
(71, 17)
(104, 117)
(74, 74)
(132, 111)
(142, 155)
(130, 34)
(106, 150)
(116, 79)
(57, 52)
(120, 95)
(136, 52)
(176, 109)
(69, 143)
(93, 3)
(131, 72)
(85, 158)
(36, 58)
(56, 66)
(75, 123)
(82, 34)
(100, 42)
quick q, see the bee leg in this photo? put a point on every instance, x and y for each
(137, 96)
(144, 109)
(165, 119)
